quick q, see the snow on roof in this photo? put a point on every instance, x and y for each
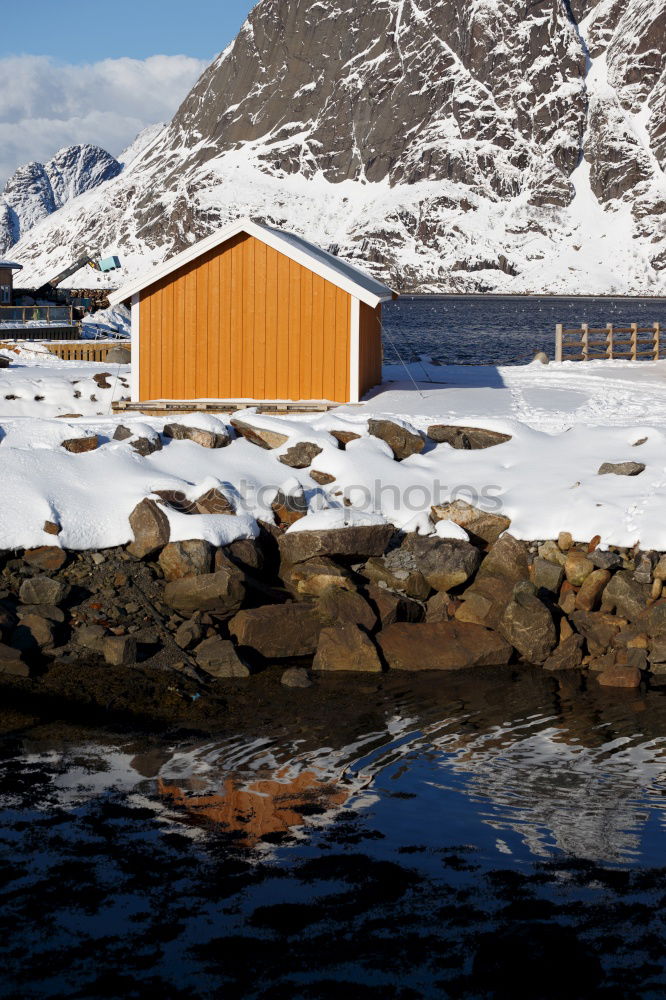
(9, 263)
(351, 279)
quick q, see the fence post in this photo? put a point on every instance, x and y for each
(656, 341)
(584, 342)
(558, 341)
(634, 341)
(609, 341)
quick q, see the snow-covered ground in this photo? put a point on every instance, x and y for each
(565, 420)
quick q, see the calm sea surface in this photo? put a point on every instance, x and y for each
(500, 330)
(488, 835)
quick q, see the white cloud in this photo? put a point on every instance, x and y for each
(45, 105)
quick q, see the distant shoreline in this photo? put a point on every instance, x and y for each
(518, 295)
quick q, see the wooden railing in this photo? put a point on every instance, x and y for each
(633, 343)
(36, 315)
(85, 350)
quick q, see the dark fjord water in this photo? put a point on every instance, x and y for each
(500, 330)
(498, 835)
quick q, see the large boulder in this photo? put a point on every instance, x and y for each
(528, 625)
(11, 662)
(391, 607)
(290, 505)
(218, 658)
(441, 646)
(485, 601)
(150, 527)
(48, 558)
(625, 595)
(590, 593)
(77, 446)
(346, 647)
(220, 593)
(466, 438)
(119, 651)
(402, 441)
(444, 562)
(567, 656)
(621, 469)
(399, 571)
(597, 628)
(300, 455)
(43, 590)
(182, 559)
(262, 437)
(213, 501)
(315, 576)
(480, 525)
(278, 631)
(343, 606)
(204, 438)
(508, 559)
(356, 542)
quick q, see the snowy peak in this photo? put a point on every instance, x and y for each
(37, 190)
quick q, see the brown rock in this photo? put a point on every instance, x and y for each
(11, 662)
(90, 637)
(346, 647)
(567, 656)
(43, 590)
(263, 438)
(220, 593)
(150, 527)
(119, 650)
(438, 607)
(528, 625)
(441, 646)
(188, 634)
(244, 552)
(565, 541)
(289, 508)
(398, 573)
(315, 576)
(344, 437)
(547, 575)
(392, 608)
(620, 677)
(589, 595)
(322, 478)
(296, 677)
(577, 567)
(183, 559)
(205, 439)
(214, 502)
(552, 553)
(507, 558)
(177, 500)
(626, 596)
(598, 629)
(400, 440)
(355, 542)
(344, 606)
(33, 632)
(52, 528)
(621, 469)
(485, 601)
(300, 455)
(466, 438)
(218, 657)
(49, 558)
(445, 563)
(278, 631)
(481, 526)
(79, 445)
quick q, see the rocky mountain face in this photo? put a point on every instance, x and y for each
(37, 190)
(453, 145)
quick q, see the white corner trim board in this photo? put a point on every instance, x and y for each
(136, 347)
(355, 351)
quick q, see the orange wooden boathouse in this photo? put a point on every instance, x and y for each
(254, 313)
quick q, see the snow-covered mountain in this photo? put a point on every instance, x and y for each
(459, 145)
(37, 190)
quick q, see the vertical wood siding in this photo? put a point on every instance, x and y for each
(370, 347)
(244, 321)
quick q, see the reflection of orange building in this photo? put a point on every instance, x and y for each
(261, 807)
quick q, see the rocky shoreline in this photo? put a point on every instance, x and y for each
(184, 619)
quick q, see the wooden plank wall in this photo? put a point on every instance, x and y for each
(370, 348)
(244, 321)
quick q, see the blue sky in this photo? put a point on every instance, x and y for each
(100, 71)
(74, 31)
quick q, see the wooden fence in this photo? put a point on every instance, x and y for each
(86, 350)
(633, 343)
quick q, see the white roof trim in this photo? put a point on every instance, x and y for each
(345, 276)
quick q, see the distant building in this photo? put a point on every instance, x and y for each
(7, 269)
(255, 313)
